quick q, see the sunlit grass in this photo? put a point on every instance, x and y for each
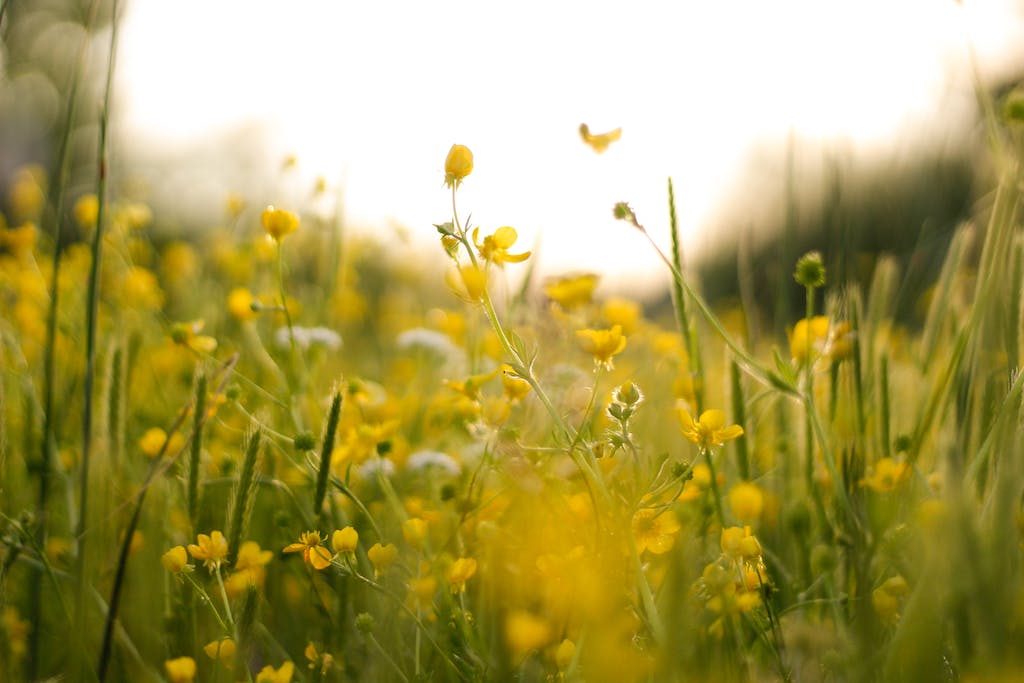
(276, 452)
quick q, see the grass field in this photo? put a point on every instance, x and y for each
(276, 451)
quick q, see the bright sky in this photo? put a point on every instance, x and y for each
(374, 93)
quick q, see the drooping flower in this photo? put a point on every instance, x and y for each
(457, 165)
(314, 553)
(708, 430)
(602, 344)
(187, 334)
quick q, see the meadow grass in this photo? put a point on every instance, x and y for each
(277, 452)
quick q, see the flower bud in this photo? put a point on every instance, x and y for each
(458, 165)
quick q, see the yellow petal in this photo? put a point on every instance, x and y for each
(713, 419)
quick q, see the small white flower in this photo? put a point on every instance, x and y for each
(426, 460)
(427, 339)
(308, 336)
(370, 468)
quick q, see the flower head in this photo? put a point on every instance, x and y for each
(382, 556)
(886, 475)
(281, 675)
(654, 532)
(223, 650)
(345, 540)
(187, 334)
(210, 549)
(175, 560)
(460, 571)
(279, 223)
(602, 344)
(181, 670)
(494, 248)
(457, 165)
(314, 553)
(572, 291)
(708, 430)
(599, 142)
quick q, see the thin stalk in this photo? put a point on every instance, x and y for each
(92, 298)
(679, 302)
(49, 440)
(326, 450)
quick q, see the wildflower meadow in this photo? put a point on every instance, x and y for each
(276, 451)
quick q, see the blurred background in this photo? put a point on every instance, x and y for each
(850, 127)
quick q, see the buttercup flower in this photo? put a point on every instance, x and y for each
(314, 553)
(345, 540)
(460, 571)
(175, 560)
(210, 549)
(653, 532)
(709, 430)
(494, 248)
(279, 223)
(271, 675)
(382, 557)
(602, 344)
(457, 165)
(181, 670)
(223, 650)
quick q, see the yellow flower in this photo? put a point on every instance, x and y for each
(709, 430)
(602, 344)
(279, 223)
(19, 241)
(888, 598)
(251, 556)
(656, 533)
(470, 387)
(153, 440)
(526, 632)
(494, 248)
(886, 475)
(817, 329)
(181, 670)
(271, 675)
(738, 543)
(746, 501)
(86, 210)
(460, 571)
(240, 302)
(187, 334)
(515, 386)
(599, 142)
(175, 560)
(345, 540)
(414, 530)
(421, 593)
(313, 551)
(27, 193)
(211, 549)
(382, 557)
(468, 282)
(223, 650)
(620, 311)
(572, 291)
(457, 165)
(565, 653)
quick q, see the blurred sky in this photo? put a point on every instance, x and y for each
(372, 95)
